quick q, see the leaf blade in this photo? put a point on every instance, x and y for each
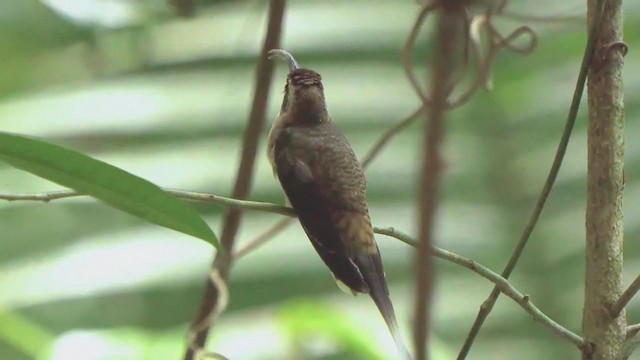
(105, 182)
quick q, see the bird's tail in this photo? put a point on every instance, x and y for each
(374, 277)
(386, 309)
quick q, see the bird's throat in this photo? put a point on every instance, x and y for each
(308, 112)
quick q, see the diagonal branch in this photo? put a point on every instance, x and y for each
(384, 139)
(626, 296)
(633, 330)
(501, 283)
(265, 236)
(631, 343)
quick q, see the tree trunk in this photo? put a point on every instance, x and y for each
(605, 184)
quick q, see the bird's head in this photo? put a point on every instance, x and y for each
(303, 92)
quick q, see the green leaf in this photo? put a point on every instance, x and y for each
(105, 182)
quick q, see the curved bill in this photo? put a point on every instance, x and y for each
(285, 55)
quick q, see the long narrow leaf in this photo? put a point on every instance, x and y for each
(105, 182)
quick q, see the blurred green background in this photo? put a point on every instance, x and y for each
(167, 98)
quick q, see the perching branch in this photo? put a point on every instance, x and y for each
(626, 296)
(502, 284)
(488, 304)
(181, 194)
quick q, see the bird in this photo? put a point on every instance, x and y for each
(325, 185)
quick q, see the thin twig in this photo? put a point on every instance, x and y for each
(631, 344)
(408, 51)
(472, 43)
(488, 304)
(501, 283)
(220, 305)
(231, 223)
(44, 197)
(181, 194)
(497, 43)
(384, 139)
(264, 237)
(631, 341)
(632, 330)
(626, 296)
(269, 234)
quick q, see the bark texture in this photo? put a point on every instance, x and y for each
(605, 184)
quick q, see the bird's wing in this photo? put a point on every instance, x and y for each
(325, 186)
(325, 222)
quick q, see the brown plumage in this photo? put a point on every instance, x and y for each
(325, 185)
